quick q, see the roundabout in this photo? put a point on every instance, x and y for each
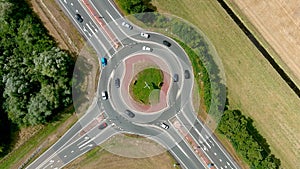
(168, 119)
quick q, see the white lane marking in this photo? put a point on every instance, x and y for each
(113, 19)
(86, 143)
(228, 163)
(96, 30)
(65, 156)
(208, 138)
(111, 28)
(115, 9)
(65, 1)
(220, 160)
(90, 145)
(103, 46)
(199, 133)
(90, 28)
(71, 4)
(72, 151)
(106, 24)
(215, 154)
(85, 139)
(216, 143)
(225, 166)
(193, 138)
(181, 162)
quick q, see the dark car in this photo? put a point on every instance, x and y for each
(103, 61)
(129, 113)
(103, 125)
(186, 74)
(78, 17)
(166, 43)
(117, 83)
(175, 77)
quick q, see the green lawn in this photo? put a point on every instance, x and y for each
(146, 85)
(35, 141)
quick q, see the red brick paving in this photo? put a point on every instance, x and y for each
(130, 73)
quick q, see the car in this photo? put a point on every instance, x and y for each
(166, 43)
(147, 48)
(104, 95)
(103, 125)
(210, 165)
(129, 113)
(103, 61)
(175, 77)
(164, 126)
(145, 35)
(186, 74)
(127, 25)
(79, 18)
(117, 83)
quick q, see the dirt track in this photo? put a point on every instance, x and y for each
(279, 23)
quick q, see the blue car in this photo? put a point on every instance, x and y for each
(103, 61)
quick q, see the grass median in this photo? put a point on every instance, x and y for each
(146, 85)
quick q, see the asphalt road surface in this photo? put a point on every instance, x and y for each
(102, 28)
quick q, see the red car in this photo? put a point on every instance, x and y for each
(103, 125)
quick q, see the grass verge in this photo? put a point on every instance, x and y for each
(254, 87)
(45, 137)
(146, 85)
(100, 158)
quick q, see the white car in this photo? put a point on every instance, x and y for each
(104, 95)
(145, 35)
(127, 25)
(147, 48)
(164, 125)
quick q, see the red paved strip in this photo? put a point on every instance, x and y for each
(191, 141)
(92, 124)
(101, 23)
(130, 73)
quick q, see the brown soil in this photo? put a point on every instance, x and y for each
(58, 24)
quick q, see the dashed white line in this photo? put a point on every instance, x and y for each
(115, 9)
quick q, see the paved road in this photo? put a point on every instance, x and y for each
(85, 134)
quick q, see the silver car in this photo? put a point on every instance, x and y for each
(127, 25)
(147, 48)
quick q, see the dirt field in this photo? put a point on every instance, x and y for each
(280, 26)
(253, 86)
(99, 158)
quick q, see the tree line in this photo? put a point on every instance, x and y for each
(247, 141)
(136, 6)
(239, 129)
(35, 75)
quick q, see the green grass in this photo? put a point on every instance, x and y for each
(253, 86)
(146, 85)
(34, 142)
